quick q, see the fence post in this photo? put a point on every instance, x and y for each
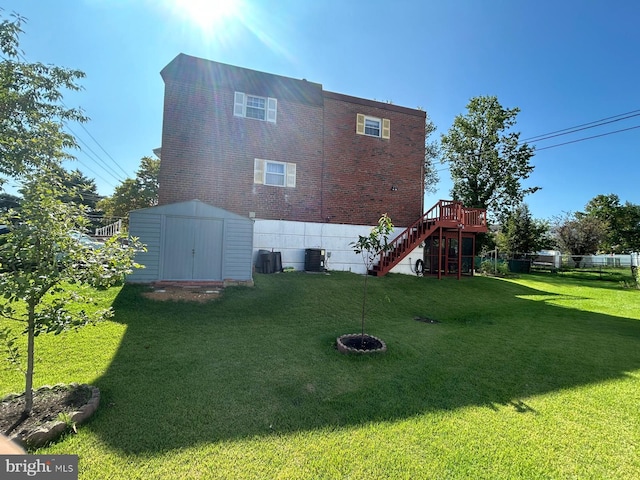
(635, 259)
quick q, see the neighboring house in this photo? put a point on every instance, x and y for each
(276, 148)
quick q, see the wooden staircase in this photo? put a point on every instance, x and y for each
(446, 214)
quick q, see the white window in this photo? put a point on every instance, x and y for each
(373, 127)
(277, 174)
(274, 174)
(253, 106)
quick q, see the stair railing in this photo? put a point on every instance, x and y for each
(449, 213)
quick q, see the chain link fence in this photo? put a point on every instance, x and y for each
(553, 261)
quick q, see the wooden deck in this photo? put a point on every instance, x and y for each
(445, 216)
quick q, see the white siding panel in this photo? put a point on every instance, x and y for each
(147, 229)
(291, 239)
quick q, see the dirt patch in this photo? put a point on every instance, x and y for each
(184, 294)
(50, 405)
(425, 320)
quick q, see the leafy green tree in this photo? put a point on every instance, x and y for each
(43, 253)
(579, 234)
(32, 131)
(133, 194)
(83, 190)
(40, 257)
(629, 228)
(8, 202)
(521, 233)
(487, 160)
(623, 222)
(431, 155)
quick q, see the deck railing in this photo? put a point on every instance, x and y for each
(109, 230)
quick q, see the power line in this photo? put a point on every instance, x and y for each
(588, 138)
(24, 59)
(126, 175)
(632, 113)
(566, 143)
(569, 131)
(104, 165)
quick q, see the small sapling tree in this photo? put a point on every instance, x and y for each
(41, 256)
(369, 247)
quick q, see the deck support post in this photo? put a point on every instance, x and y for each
(441, 251)
(459, 251)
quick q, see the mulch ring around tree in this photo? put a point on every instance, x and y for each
(55, 410)
(358, 343)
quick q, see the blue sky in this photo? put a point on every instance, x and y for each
(563, 63)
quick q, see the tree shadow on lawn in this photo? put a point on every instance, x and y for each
(259, 362)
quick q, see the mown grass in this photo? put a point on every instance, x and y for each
(531, 377)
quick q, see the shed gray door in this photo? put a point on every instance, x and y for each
(192, 249)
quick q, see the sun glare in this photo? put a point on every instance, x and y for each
(206, 13)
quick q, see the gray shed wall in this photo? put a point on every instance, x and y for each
(235, 248)
(238, 247)
(148, 228)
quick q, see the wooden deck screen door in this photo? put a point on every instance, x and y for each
(192, 249)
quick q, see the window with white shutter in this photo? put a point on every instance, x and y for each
(253, 106)
(291, 175)
(372, 126)
(275, 174)
(238, 104)
(386, 128)
(258, 171)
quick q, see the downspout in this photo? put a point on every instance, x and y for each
(323, 218)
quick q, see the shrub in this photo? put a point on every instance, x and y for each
(488, 267)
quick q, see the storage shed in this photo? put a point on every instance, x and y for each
(191, 241)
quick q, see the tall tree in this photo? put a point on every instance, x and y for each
(431, 155)
(8, 202)
(521, 233)
(579, 234)
(629, 228)
(487, 160)
(132, 194)
(623, 222)
(32, 133)
(83, 190)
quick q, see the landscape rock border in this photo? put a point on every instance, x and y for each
(53, 429)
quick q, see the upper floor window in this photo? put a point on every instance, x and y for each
(372, 126)
(252, 106)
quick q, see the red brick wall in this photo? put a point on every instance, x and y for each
(208, 154)
(361, 170)
(341, 177)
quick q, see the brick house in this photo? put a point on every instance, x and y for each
(277, 148)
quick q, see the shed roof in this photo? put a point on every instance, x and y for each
(191, 208)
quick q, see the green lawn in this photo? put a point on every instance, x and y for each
(532, 377)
